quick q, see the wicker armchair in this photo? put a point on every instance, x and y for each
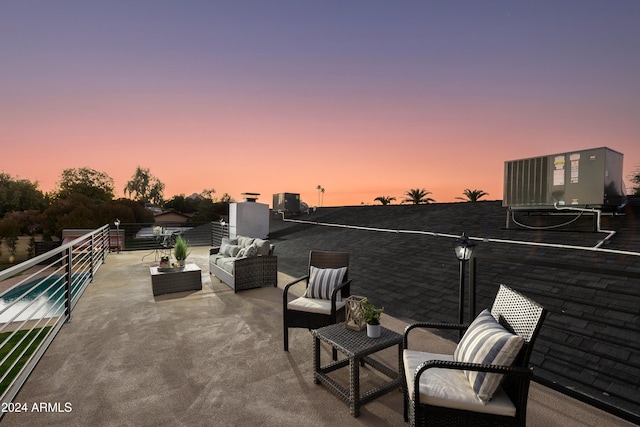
(303, 312)
(428, 404)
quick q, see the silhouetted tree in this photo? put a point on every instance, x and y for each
(635, 178)
(144, 187)
(92, 183)
(385, 200)
(19, 195)
(472, 195)
(418, 196)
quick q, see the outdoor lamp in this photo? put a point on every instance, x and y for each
(117, 224)
(463, 248)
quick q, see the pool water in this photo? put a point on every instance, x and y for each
(46, 299)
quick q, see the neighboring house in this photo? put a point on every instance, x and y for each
(171, 217)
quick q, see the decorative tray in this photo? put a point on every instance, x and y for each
(169, 269)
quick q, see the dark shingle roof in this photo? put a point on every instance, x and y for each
(402, 258)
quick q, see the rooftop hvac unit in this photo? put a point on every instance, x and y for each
(589, 178)
(289, 203)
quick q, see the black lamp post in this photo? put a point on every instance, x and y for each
(117, 224)
(463, 248)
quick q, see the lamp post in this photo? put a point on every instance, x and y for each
(463, 248)
(117, 224)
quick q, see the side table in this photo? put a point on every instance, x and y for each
(176, 281)
(357, 346)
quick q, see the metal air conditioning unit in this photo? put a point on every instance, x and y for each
(587, 178)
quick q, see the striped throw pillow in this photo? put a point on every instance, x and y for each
(488, 343)
(322, 282)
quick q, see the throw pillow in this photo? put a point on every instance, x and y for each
(322, 282)
(488, 343)
(229, 241)
(229, 250)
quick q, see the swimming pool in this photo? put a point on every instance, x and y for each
(38, 298)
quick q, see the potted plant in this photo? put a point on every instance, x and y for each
(181, 250)
(371, 316)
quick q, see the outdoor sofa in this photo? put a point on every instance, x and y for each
(244, 263)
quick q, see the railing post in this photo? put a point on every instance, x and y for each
(472, 289)
(68, 276)
(91, 258)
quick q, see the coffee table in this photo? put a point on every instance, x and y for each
(188, 279)
(357, 346)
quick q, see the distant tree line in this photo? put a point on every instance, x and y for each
(84, 198)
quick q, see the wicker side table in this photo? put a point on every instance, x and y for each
(357, 346)
(176, 281)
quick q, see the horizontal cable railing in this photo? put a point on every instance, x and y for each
(37, 298)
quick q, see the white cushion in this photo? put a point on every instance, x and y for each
(450, 388)
(488, 343)
(245, 241)
(322, 282)
(313, 305)
(229, 250)
(263, 246)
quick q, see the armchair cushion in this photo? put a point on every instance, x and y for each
(313, 305)
(489, 343)
(449, 387)
(322, 282)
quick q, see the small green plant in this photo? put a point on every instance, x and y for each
(371, 314)
(181, 249)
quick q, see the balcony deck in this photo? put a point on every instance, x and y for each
(209, 357)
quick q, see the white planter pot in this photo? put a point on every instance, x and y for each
(373, 331)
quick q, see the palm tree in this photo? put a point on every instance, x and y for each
(417, 196)
(385, 200)
(472, 195)
(320, 189)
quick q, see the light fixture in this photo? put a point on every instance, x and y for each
(117, 224)
(463, 248)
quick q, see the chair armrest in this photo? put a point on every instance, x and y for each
(285, 291)
(431, 325)
(334, 294)
(214, 250)
(518, 371)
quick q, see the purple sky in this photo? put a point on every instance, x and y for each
(366, 98)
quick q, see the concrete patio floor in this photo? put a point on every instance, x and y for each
(211, 357)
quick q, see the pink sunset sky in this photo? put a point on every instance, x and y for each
(365, 98)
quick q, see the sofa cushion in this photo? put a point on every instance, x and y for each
(243, 241)
(226, 263)
(229, 241)
(249, 251)
(229, 250)
(263, 246)
(450, 388)
(322, 282)
(488, 343)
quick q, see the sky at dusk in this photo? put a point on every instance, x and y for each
(365, 98)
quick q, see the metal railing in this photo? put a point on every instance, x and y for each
(37, 299)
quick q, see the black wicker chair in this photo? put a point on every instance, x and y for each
(295, 316)
(517, 314)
